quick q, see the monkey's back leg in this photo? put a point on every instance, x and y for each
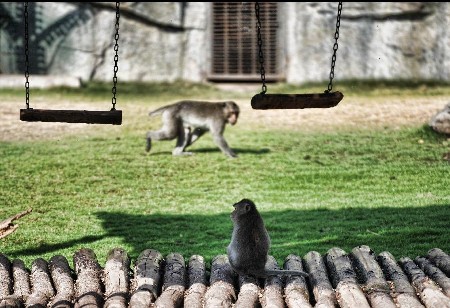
(169, 130)
(183, 140)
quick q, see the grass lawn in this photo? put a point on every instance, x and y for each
(343, 178)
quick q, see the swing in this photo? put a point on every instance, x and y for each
(296, 101)
(112, 116)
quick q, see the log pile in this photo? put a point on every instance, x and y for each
(357, 279)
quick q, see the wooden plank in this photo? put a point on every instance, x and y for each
(116, 279)
(72, 116)
(88, 286)
(402, 291)
(21, 278)
(6, 283)
(272, 296)
(248, 296)
(197, 282)
(62, 281)
(174, 282)
(441, 259)
(296, 101)
(323, 292)
(296, 289)
(41, 282)
(335, 280)
(343, 278)
(428, 290)
(147, 278)
(435, 274)
(376, 287)
(221, 292)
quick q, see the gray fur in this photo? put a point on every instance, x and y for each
(250, 243)
(189, 120)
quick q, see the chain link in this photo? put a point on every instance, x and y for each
(27, 74)
(260, 48)
(116, 57)
(335, 48)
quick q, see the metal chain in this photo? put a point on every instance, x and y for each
(116, 57)
(27, 74)
(260, 48)
(335, 48)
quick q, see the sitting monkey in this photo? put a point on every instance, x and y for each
(189, 120)
(250, 243)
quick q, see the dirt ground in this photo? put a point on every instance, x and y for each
(351, 114)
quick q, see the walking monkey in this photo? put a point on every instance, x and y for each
(188, 120)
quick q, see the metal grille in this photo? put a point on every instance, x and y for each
(235, 41)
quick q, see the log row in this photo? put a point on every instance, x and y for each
(359, 279)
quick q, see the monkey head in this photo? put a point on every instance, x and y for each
(231, 111)
(242, 209)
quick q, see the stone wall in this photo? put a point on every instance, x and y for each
(171, 40)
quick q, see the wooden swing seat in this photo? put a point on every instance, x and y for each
(71, 116)
(296, 101)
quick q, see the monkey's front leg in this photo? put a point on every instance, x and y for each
(183, 140)
(223, 145)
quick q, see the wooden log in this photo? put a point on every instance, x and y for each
(62, 281)
(272, 295)
(7, 300)
(21, 277)
(11, 301)
(88, 288)
(343, 278)
(249, 291)
(221, 291)
(196, 282)
(339, 266)
(435, 274)
(376, 287)
(116, 278)
(72, 116)
(296, 101)
(295, 290)
(323, 292)
(429, 292)
(174, 282)
(7, 227)
(5, 274)
(21, 285)
(41, 285)
(147, 278)
(403, 293)
(441, 259)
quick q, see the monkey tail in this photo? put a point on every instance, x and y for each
(163, 108)
(157, 111)
(285, 273)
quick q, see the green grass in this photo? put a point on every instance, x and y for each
(315, 191)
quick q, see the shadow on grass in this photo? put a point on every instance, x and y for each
(216, 150)
(401, 231)
(236, 150)
(44, 248)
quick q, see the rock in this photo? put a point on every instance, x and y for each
(440, 122)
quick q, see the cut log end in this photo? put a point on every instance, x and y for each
(71, 116)
(296, 101)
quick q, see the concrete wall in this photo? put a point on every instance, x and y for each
(171, 40)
